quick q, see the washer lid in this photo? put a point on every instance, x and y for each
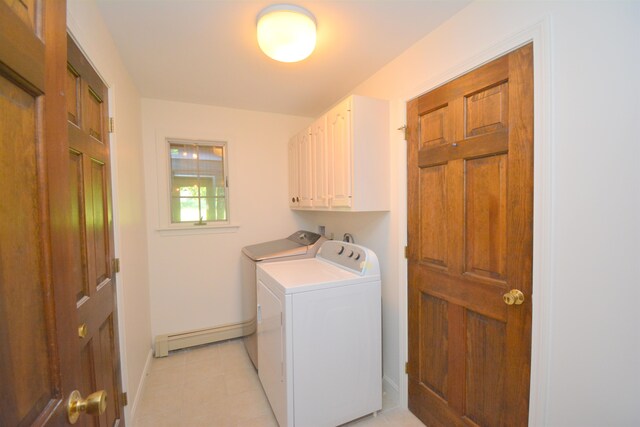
(304, 237)
(296, 244)
(308, 274)
(274, 249)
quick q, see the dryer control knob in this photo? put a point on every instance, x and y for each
(350, 254)
(341, 250)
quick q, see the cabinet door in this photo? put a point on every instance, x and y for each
(320, 163)
(294, 166)
(306, 169)
(271, 351)
(340, 141)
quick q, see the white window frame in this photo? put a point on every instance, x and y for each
(165, 225)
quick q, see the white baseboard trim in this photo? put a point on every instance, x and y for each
(390, 393)
(166, 343)
(143, 380)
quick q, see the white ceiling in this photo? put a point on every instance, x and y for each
(205, 52)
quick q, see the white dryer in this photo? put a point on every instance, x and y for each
(319, 336)
(301, 244)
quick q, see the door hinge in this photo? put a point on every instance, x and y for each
(406, 367)
(116, 265)
(112, 125)
(406, 252)
(125, 399)
(406, 132)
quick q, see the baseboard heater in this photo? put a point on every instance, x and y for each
(166, 343)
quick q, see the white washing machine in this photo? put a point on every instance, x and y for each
(319, 336)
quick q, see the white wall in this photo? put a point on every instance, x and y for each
(588, 366)
(88, 29)
(195, 278)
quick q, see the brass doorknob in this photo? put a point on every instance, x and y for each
(512, 297)
(94, 404)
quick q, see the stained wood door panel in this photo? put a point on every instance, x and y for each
(486, 76)
(483, 383)
(109, 367)
(485, 341)
(77, 219)
(94, 112)
(434, 348)
(88, 385)
(434, 128)
(486, 216)
(470, 180)
(468, 292)
(487, 111)
(98, 225)
(25, 10)
(23, 321)
(37, 352)
(22, 49)
(93, 234)
(73, 95)
(433, 218)
(479, 146)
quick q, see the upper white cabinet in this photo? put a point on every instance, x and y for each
(306, 170)
(294, 172)
(348, 169)
(339, 137)
(320, 164)
(300, 170)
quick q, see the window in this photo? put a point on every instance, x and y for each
(199, 192)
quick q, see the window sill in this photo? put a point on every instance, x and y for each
(187, 229)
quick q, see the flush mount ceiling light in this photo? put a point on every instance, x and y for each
(286, 33)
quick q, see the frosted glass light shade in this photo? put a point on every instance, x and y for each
(286, 33)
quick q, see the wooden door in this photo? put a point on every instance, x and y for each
(340, 144)
(38, 335)
(93, 273)
(470, 184)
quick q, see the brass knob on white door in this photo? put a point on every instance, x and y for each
(514, 296)
(94, 404)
